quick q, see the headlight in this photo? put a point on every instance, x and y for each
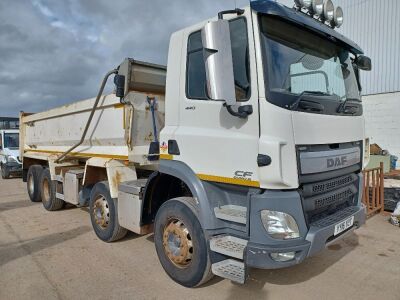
(317, 7)
(329, 10)
(11, 159)
(338, 16)
(303, 3)
(279, 225)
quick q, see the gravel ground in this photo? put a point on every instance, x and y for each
(56, 255)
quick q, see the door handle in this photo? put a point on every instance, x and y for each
(263, 160)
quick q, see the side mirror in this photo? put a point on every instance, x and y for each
(119, 81)
(216, 41)
(364, 63)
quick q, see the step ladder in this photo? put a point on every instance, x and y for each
(232, 268)
(233, 213)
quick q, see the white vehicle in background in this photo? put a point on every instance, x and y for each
(247, 151)
(9, 153)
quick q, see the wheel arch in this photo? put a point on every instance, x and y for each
(28, 162)
(110, 170)
(179, 173)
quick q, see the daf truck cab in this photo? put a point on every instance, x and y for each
(246, 151)
(9, 153)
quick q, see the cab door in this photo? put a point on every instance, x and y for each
(217, 146)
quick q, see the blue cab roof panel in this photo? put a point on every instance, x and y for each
(273, 8)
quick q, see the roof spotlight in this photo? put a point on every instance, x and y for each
(303, 3)
(329, 10)
(317, 7)
(338, 17)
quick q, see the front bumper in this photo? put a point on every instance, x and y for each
(13, 167)
(317, 237)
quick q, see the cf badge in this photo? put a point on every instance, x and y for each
(243, 175)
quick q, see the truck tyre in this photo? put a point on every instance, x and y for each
(104, 214)
(48, 192)
(5, 172)
(33, 182)
(181, 244)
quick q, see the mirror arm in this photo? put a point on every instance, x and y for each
(357, 74)
(243, 111)
(237, 11)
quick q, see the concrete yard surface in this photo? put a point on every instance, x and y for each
(56, 255)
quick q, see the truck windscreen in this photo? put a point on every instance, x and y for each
(299, 61)
(11, 140)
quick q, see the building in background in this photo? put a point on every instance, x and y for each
(375, 26)
(9, 123)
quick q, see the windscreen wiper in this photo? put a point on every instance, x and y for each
(318, 107)
(349, 109)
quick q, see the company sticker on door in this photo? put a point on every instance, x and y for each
(323, 161)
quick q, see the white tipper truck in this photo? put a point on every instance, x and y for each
(248, 152)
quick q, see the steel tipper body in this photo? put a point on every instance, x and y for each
(10, 163)
(247, 153)
(93, 141)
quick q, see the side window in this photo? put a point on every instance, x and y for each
(196, 73)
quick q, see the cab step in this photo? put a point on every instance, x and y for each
(228, 245)
(230, 269)
(233, 213)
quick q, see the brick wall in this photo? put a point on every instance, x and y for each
(382, 121)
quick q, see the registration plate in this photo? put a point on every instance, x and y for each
(342, 226)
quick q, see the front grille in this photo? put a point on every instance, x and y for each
(322, 199)
(335, 197)
(326, 186)
(339, 197)
(326, 189)
(313, 163)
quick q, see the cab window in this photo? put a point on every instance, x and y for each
(195, 69)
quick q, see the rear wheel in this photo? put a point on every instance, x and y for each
(33, 182)
(180, 243)
(104, 214)
(5, 172)
(48, 192)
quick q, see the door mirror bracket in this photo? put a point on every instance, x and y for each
(243, 111)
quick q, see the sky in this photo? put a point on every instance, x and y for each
(57, 52)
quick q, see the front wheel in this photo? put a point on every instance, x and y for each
(180, 243)
(104, 214)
